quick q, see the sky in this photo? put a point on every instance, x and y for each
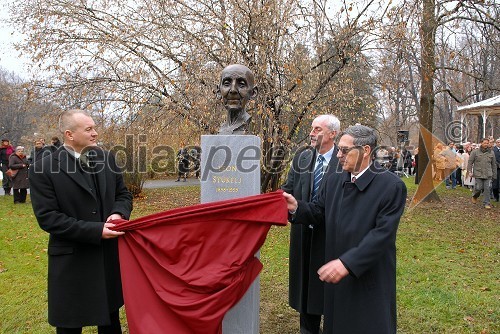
(10, 59)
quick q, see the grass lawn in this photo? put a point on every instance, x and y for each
(447, 271)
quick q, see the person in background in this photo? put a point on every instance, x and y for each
(5, 152)
(415, 168)
(195, 158)
(307, 242)
(450, 164)
(393, 159)
(482, 165)
(20, 184)
(361, 209)
(439, 161)
(460, 164)
(38, 152)
(56, 143)
(76, 192)
(407, 161)
(496, 183)
(182, 164)
(467, 180)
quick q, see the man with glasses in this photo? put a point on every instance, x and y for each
(361, 210)
(307, 242)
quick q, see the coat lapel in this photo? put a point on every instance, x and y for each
(367, 177)
(69, 166)
(100, 171)
(306, 159)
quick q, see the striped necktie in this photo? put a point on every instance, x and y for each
(84, 160)
(318, 175)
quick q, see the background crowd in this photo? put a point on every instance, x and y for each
(15, 164)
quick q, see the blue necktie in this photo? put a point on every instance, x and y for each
(318, 175)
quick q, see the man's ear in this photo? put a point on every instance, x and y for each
(255, 92)
(68, 134)
(367, 150)
(333, 134)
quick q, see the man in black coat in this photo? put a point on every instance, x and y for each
(75, 193)
(361, 209)
(307, 242)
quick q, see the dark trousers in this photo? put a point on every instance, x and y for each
(114, 328)
(496, 185)
(20, 195)
(458, 173)
(6, 182)
(309, 324)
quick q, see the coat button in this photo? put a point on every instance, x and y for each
(94, 212)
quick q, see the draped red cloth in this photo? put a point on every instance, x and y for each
(183, 269)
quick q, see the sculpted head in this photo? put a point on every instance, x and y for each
(236, 87)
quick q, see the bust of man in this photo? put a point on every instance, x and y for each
(236, 87)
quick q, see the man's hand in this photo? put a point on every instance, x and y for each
(291, 202)
(114, 216)
(109, 234)
(333, 271)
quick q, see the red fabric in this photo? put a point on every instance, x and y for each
(183, 269)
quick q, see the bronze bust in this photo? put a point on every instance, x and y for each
(236, 88)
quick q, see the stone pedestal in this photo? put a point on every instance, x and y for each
(230, 168)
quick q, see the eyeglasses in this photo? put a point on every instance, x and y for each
(346, 150)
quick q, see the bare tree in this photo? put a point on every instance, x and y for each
(167, 54)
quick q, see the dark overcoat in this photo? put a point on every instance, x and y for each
(361, 221)
(307, 245)
(20, 180)
(496, 152)
(84, 283)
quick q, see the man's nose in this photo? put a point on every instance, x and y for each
(233, 87)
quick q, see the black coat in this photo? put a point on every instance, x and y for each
(20, 181)
(84, 283)
(307, 246)
(361, 222)
(496, 182)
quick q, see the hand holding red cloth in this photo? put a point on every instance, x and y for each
(183, 269)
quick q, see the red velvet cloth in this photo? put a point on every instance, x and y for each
(183, 269)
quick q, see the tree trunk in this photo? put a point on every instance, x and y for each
(426, 112)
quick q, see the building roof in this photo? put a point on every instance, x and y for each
(492, 106)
